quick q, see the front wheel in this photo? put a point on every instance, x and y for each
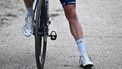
(40, 50)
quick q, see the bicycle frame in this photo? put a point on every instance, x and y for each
(37, 8)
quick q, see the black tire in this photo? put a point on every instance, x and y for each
(40, 51)
(40, 36)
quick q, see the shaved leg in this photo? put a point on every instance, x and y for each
(28, 3)
(75, 28)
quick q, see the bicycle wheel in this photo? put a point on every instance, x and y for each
(40, 35)
(40, 51)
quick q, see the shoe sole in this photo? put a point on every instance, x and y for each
(89, 66)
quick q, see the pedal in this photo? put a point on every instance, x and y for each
(53, 35)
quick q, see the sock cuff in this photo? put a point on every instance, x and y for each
(29, 9)
(30, 12)
(79, 41)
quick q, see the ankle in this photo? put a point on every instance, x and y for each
(30, 12)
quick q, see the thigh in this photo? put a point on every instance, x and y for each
(66, 2)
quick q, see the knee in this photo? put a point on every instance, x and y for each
(71, 15)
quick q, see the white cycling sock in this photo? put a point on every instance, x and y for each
(82, 49)
(30, 12)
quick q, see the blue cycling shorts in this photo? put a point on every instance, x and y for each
(66, 2)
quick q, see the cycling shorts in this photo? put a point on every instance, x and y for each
(66, 2)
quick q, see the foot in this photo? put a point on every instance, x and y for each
(85, 62)
(28, 28)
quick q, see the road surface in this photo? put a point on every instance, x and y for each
(102, 25)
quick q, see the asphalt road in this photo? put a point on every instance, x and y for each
(102, 25)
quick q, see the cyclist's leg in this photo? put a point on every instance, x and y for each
(29, 5)
(27, 29)
(71, 15)
(75, 28)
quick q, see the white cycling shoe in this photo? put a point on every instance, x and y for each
(85, 62)
(28, 28)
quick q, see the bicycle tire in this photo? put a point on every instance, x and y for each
(40, 40)
(40, 47)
